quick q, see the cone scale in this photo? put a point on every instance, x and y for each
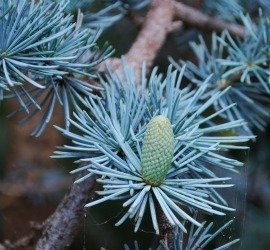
(157, 150)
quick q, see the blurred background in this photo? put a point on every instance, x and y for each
(32, 184)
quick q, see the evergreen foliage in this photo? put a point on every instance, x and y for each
(154, 143)
(242, 65)
(116, 147)
(45, 57)
(196, 239)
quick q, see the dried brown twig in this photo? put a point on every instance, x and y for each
(195, 18)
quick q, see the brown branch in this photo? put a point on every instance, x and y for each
(61, 228)
(150, 39)
(197, 19)
(167, 231)
(158, 24)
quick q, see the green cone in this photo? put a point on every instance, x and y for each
(157, 150)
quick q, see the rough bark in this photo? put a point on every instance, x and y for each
(156, 26)
(166, 230)
(195, 18)
(62, 226)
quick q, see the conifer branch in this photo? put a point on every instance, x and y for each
(150, 39)
(61, 227)
(197, 19)
(63, 224)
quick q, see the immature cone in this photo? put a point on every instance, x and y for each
(157, 150)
